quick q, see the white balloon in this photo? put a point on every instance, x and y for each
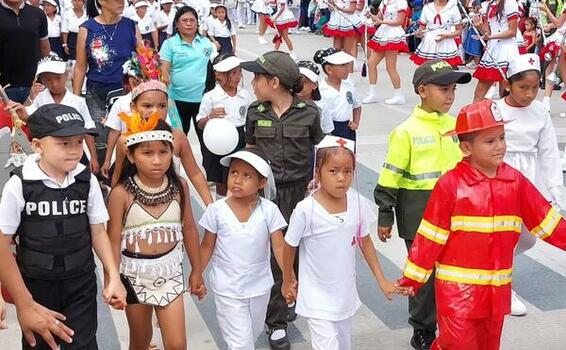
(220, 136)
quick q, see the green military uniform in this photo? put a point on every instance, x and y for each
(418, 154)
(286, 142)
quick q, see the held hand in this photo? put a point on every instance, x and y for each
(392, 287)
(19, 109)
(353, 125)
(114, 294)
(196, 285)
(217, 112)
(104, 169)
(384, 233)
(67, 51)
(94, 165)
(34, 318)
(486, 37)
(3, 324)
(289, 290)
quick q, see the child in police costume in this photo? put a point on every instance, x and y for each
(284, 128)
(53, 205)
(240, 231)
(469, 232)
(418, 153)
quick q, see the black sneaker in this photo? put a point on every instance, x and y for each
(279, 344)
(422, 339)
(291, 314)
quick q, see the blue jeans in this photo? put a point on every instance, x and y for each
(18, 94)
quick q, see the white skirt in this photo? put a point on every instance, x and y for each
(260, 7)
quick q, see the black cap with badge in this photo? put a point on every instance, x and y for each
(57, 120)
(438, 72)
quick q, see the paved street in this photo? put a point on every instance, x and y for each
(539, 277)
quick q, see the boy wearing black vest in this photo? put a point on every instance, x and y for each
(54, 207)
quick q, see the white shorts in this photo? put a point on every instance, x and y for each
(331, 335)
(241, 320)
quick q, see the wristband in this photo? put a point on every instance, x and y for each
(64, 45)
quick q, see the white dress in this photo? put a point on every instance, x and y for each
(390, 38)
(264, 7)
(502, 50)
(443, 21)
(286, 20)
(343, 24)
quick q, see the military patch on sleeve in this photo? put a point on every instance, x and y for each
(261, 108)
(264, 123)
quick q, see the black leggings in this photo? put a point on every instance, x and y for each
(188, 111)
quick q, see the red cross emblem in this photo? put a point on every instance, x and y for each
(341, 142)
(531, 61)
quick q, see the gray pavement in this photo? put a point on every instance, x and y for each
(539, 278)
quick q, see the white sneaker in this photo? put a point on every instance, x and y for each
(492, 93)
(262, 41)
(517, 306)
(370, 99)
(396, 100)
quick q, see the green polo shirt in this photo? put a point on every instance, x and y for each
(189, 64)
(286, 141)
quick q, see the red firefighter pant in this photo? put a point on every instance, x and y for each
(457, 333)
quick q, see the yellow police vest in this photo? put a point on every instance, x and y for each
(419, 152)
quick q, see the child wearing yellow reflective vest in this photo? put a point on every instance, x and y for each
(469, 231)
(418, 154)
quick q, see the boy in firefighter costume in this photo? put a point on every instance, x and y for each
(54, 207)
(418, 153)
(469, 231)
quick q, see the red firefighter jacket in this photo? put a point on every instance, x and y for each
(468, 234)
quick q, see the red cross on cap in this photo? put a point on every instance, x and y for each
(531, 61)
(341, 142)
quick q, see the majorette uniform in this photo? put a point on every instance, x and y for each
(502, 50)
(390, 38)
(286, 20)
(442, 21)
(553, 43)
(469, 230)
(264, 7)
(343, 24)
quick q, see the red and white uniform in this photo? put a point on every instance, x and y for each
(264, 7)
(469, 231)
(285, 20)
(343, 24)
(502, 50)
(438, 22)
(390, 38)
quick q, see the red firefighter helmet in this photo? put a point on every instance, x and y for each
(478, 116)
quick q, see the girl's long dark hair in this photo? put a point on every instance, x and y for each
(228, 23)
(129, 169)
(181, 12)
(92, 7)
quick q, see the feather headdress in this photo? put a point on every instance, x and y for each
(141, 129)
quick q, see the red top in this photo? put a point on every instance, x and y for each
(469, 231)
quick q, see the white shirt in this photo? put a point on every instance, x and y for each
(71, 22)
(532, 147)
(240, 265)
(69, 99)
(207, 24)
(122, 104)
(12, 202)
(145, 24)
(164, 19)
(498, 25)
(338, 105)
(217, 28)
(236, 107)
(327, 255)
(54, 26)
(326, 123)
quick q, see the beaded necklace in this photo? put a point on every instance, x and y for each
(151, 196)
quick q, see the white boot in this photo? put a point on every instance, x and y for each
(262, 40)
(397, 99)
(372, 97)
(517, 306)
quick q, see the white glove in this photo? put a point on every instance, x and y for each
(556, 193)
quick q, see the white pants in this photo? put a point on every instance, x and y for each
(241, 320)
(241, 10)
(331, 335)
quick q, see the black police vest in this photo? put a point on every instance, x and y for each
(54, 233)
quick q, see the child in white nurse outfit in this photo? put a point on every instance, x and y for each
(327, 227)
(239, 230)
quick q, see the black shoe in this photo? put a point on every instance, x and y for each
(556, 87)
(279, 344)
(291, 314)
(422, 339)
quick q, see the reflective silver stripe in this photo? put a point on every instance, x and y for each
(407, 175)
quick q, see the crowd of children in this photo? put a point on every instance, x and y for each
(467, 193)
